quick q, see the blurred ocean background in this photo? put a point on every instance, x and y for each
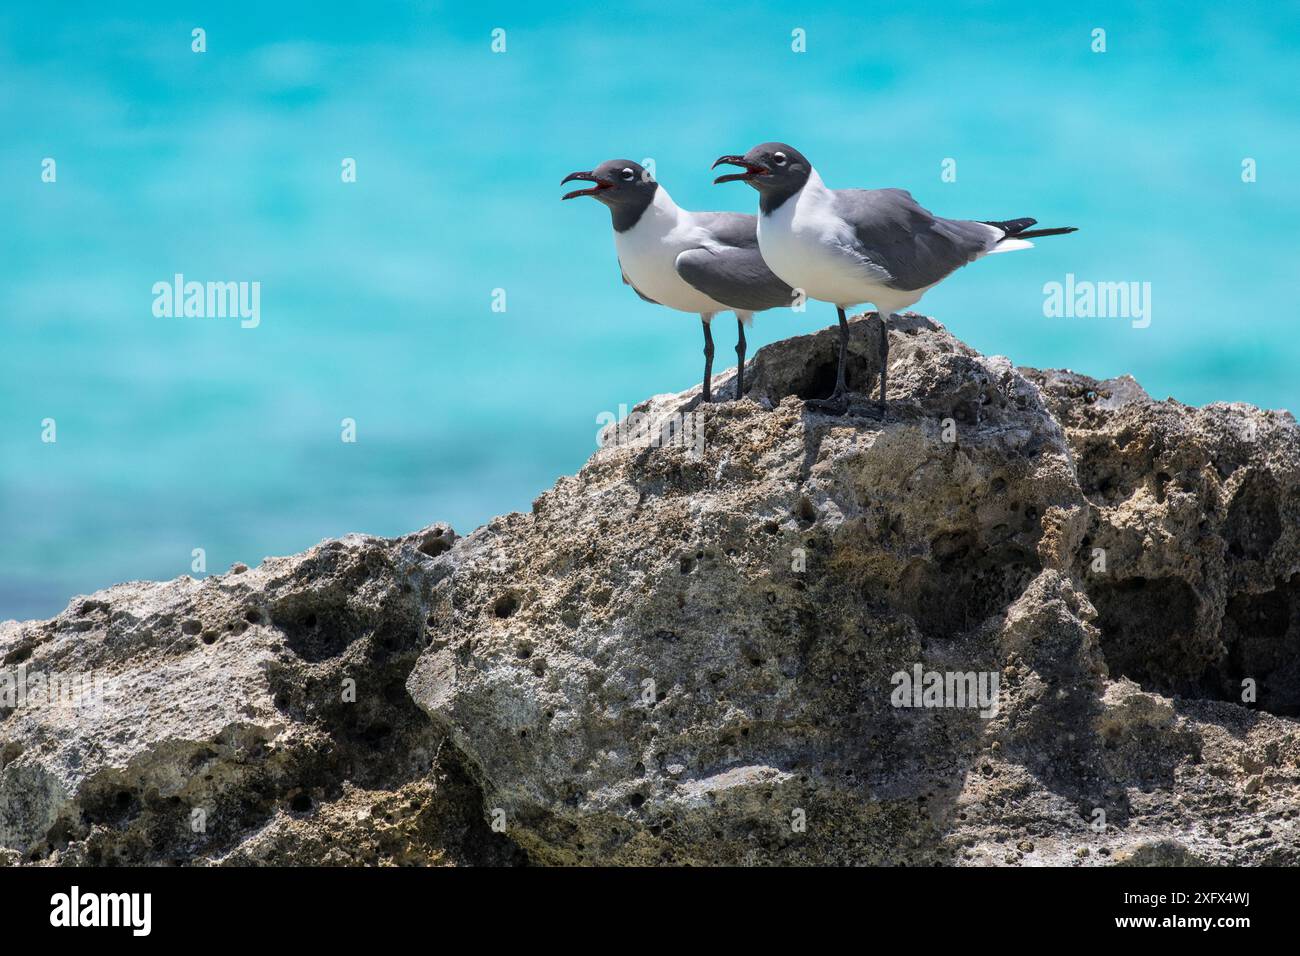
(181, 433)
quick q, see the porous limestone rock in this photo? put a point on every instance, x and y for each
(258, 716)
(688, 652)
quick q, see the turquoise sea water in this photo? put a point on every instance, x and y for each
(376, 296)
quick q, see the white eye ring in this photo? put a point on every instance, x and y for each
(627, 174)
(778, 158)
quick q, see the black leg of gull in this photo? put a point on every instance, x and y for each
(884, 356)
(838, 402)
(708, 358)
(740, 359)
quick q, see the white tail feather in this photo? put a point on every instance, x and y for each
(1011, 245)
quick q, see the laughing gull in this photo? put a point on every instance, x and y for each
(702, 262)
(850, 246)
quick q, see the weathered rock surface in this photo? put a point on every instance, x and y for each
(254, 717)
(686, 652)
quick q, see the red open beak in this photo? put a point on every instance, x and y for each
(585, 177)
(751, 169)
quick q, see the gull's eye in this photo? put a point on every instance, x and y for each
(778, 159)
(627, 175)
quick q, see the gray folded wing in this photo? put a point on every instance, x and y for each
(913, 247)
(732, 269)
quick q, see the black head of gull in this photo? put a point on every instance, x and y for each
(627, 188)
(776, 170)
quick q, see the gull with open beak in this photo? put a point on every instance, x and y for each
(700, 262)
(849, 246)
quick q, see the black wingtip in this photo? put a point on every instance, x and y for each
(1019, 229)
(1012, 227)
(1039, 233)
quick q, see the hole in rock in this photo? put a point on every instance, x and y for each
(1147, 629)
(316, 633)
(1148, 634)
(964, 583)
(816, 378)
(819, 381)
(300, 802)
(435, 544)
(505, 605)
(805, 510)
(1262, 636)
(1253, 524)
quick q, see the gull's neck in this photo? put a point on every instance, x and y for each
(661, 208)
(770, 202)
